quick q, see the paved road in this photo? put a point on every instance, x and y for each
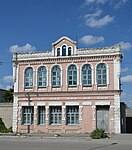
(52, 143)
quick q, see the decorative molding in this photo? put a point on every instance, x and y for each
(41, 104)
(104, 50)
(102, 103)
(27, 104)
(87, 103)
(71, 103)
(55, 104)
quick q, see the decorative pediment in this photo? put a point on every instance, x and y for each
(64, 39)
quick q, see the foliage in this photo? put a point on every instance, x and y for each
(3, 128)
(98, 134)
(8, 95)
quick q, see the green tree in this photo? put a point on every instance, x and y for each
(8, 95)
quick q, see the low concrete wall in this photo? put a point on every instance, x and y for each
(6, 113)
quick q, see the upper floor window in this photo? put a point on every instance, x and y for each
(101, 74)
(86, 75)
(64, 50)
(72, 75)
(28, 76)
(58, 51)
(69, 51)
(42, 76)
(56, 76)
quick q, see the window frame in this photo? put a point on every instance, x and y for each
(58, 51)
(28, 77)
(55, 117)
(64, 50)
(88, 75)
(43, 76)
(27, 115)
(72, 115)
(72, 75)
(41, 115)
(69, 49)
(102, 72)
(56, 77)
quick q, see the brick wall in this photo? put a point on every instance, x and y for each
(6, 113)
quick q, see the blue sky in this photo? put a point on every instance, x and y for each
(33, 25)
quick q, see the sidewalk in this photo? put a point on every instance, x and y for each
(45, 135)
(115, 137)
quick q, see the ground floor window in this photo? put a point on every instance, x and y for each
(72, 115)
(55, 115)
(27, 115)
(41, 115)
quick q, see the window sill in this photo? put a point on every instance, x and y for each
(40, 87)
(28, 88)
(27, 124)
(73, 125)
(86, 85)
(102, 85)
(55, 124)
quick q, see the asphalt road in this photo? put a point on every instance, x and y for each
(9, 143)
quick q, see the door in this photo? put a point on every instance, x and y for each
(102, 113)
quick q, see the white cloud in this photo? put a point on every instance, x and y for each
(88, 2)
(91, 20)
(8, 79)
(1, 86)
(125, 45)
(8, 87)
(124, 69)
(26, 48)
(90, 39)
(120, 4)
(127, 79)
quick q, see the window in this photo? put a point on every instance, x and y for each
(64, 50)
(86, 75)
(29, 77)
(27, 115)
(42, 76)
(55, 115)
(72, 75)
(58, 51)
(72, 115)
(41, 115)
(56, 76)
(69, 51)
(101, 74)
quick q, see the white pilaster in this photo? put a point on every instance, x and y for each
(15, 99)
(117, 114)
(15, 114)
(117, 71)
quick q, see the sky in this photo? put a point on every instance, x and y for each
(33, 25)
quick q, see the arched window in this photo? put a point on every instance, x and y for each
(101, 74)
(42, 76)
(58, 51)
(86, 75)
(72, 75)
(28, 77)
(64, 50)
(56, 76)
(69, 51)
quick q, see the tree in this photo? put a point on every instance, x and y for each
(8, 95)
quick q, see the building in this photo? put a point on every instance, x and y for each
(68, 89)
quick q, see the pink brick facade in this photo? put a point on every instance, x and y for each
(59, 102)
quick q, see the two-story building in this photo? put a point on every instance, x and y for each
(67, 89)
